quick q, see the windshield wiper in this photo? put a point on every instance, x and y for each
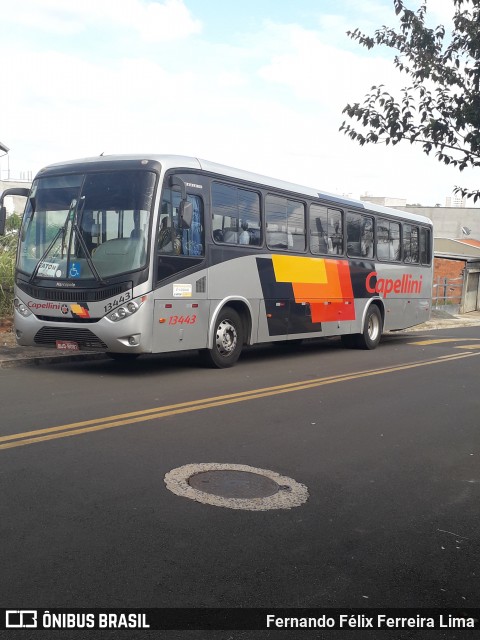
(88, 257)
(77, 214)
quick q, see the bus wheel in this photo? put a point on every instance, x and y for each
(227, 341)
(372, 329)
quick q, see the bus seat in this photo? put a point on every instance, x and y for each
(254, 237)
(230, 235)
(383, 250)
(121, 254)
(354, 249)
(317, 243)
(277, 239)
(298, 242)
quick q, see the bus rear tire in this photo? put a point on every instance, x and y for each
(371, 334)
(372, 329)
(227, 340)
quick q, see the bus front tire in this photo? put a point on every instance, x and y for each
(227, 340)
(371, 334)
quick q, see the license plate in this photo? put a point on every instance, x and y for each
(67, 345)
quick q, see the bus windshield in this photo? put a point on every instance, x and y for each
(87, 226)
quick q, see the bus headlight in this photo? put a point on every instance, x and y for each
(126, 310)
(22, 309)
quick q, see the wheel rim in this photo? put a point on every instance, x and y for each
(226, 338)
(373, 328)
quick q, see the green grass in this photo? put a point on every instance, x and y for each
(8, 249)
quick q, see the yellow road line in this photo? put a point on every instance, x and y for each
(469, 346)
(440, 341)
(98, 424)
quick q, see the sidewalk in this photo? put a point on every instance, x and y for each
(443, 320)
(12, 355)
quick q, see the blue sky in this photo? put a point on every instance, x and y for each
(259, 85)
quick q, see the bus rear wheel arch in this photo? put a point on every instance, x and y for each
(371, 334)
(228, 339)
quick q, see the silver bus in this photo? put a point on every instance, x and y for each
(152, 254)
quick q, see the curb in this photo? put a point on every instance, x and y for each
(433, 325)
(36, 360)
(28, 361)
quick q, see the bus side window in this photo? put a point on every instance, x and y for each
(383, 239)
(218, 235)
(335, 232)
(296, 225)
(276, 213)
(366, 240)
(425, 251)
(169, 240)
(318, 229)
(395, 241)
(235, 215)
(353, 234)
(192, 237)
(388, 240)
(175, 238)
(249, 216)
(359, 235)
(285, 223)
(410, 243)
(230, 235)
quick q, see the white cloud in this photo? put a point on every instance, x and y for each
(322, 73)
(151, 21)
(271, 104)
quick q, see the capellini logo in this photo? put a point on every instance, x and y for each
(406, 284)
(44, 305)
(80, 310)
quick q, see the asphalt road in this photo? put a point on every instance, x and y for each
(387, 443)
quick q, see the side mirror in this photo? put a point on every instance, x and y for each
(185, 209)
(186, 213)
(3, 218)
(14, 191)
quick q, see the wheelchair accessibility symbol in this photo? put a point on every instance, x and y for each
(74, 271)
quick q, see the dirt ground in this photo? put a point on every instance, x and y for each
(7, 337)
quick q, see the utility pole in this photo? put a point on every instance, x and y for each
(5, 150)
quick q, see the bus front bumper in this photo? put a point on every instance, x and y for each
(129, 335)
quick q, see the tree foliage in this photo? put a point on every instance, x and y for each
(440, 110)
(8, 248)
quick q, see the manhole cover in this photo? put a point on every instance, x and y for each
(234, 484)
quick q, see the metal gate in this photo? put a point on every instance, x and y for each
(471, 291)
(447, 294)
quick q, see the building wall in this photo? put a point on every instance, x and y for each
(448, 275)
(385, 201)
(448, 221)
(448, 268)
(456, 248)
